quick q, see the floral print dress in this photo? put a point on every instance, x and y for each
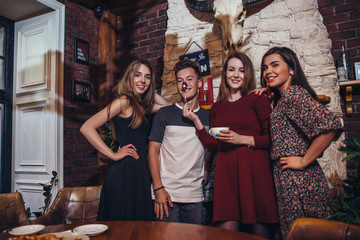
(295, 121)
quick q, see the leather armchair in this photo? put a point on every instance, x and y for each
(12, 211)
(72, 205)
(318, 229)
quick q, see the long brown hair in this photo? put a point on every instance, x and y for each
(125, 87)
(249, 83)
(298, 78)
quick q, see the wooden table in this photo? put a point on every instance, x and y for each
(137, 230)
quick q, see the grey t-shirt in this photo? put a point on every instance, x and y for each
(181, 155)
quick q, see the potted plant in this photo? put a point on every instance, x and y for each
(348, 208)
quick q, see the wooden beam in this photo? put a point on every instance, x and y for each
(106, 58)
(106, 69)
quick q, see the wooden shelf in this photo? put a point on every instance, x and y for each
(348, 85)
(324, 99)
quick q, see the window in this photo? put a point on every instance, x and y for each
(6, 88)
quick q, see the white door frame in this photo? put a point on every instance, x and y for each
(47, 99)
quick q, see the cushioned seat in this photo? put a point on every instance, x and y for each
(12, 211)
(72, 205)
(318, 229)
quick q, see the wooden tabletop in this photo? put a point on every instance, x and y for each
(137, 230)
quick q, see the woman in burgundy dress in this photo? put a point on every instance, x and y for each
(244, 197)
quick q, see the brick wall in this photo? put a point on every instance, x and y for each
(142, 35)
(139, 35)
(80, 161)
(342, 19)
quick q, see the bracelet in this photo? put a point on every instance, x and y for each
(250, 140)
(159, 188)
(299, 164)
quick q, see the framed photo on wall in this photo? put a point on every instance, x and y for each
(81, 91)
(81, 51)
(357, 70)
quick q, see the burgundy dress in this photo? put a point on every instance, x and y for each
(244, 188)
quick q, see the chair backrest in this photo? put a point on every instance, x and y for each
(72, 205)
(12, 211)
(318, 229)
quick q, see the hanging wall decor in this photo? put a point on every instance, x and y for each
(81, 91)
(202, 57)
(81, 51)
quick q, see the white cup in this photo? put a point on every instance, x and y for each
(215, 130)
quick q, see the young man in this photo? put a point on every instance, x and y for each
(176, 155)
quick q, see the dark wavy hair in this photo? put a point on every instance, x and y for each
(125, 87)
(298, 78)
(249, 77)
(187, 63)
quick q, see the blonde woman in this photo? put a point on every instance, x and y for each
(126, 189)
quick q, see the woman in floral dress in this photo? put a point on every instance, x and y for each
(301, 129)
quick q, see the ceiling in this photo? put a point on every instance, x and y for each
(17, 10)
(119, 7)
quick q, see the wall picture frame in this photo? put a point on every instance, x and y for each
(81, 91)
(81, 54)
(357, 70)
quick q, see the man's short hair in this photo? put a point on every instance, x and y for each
(187, 63)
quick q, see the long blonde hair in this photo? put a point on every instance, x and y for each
(125, 87)
(249, 77)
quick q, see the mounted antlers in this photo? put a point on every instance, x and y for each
(230, 14)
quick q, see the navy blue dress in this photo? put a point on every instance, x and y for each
(126, 190)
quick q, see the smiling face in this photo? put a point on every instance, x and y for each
(235, 74)
(188, 76)
(276, 72)
(142, 79)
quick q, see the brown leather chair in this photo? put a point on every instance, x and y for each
(318, 229)
(12, 211)
(72, 205)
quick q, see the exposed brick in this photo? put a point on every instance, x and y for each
(337, 45)
(162, 12)
(345, 8)
(139, 24)
(343, 35)
(336, 18)
(147, 42)
(349, 25)
(148, 16)
(160, 39)
(79, 22)
(332, 28)
(157, 20)
(327, 11)
(140, 37)
(140, 50)
(158, 7)
(355, 15)
(325, 3)
(147, 29)
(161, 26)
